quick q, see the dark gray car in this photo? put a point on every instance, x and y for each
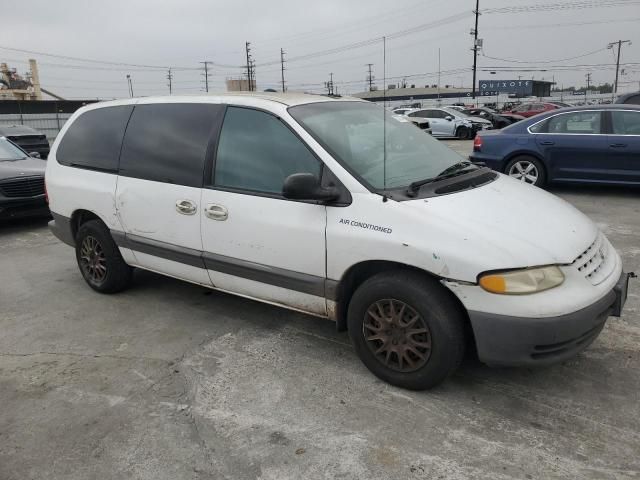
(22, 191)
(27, 138)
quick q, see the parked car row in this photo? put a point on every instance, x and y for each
(590, 144)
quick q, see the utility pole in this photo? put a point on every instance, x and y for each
(282, 68)
(611, 45)
(249, 65)
(130, 85)
(169, 77)
(329, 84)
(206, 75)
(370, 76)
(475, 49)
(474, 81)
(586, 92)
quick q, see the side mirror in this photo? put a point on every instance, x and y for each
(306, 186)
(34, 155)
(448, 118)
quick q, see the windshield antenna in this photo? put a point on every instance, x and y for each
(384, 116)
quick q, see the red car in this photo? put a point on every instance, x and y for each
(531, 109)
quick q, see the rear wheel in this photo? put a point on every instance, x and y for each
(527, 169)
(406, 329)
(99, 259)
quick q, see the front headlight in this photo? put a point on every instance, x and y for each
(516, 282)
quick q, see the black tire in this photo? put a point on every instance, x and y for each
(102, 267)
(464, 133)
(541, 173)
(440, 314)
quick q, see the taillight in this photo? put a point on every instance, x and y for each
(477, 143)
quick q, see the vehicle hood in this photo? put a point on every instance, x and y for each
(477, 119)
(501, 225)
(27, 167)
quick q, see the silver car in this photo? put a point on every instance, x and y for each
(448, 122)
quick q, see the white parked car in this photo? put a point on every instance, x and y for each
(450, 123)
(298, 201)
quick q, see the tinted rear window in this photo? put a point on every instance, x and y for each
(168, 142)
(94, 139)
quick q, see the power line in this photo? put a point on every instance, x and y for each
(546, 61)
(575, 5)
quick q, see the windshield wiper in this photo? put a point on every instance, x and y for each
(451, 171)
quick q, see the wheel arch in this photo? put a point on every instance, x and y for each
(80, 216)
(360, 272)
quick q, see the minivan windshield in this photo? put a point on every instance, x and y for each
(382, 149)
(8, 151)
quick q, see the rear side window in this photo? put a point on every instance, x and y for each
(94, 139)
(168, 142)
(257, 152)
(585, 123)
(626, 122)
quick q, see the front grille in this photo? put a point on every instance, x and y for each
(22, 187)
(595, 263)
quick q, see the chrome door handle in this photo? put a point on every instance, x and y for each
(186, 207)
(216, 212)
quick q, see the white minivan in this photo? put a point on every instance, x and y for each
(339, 209)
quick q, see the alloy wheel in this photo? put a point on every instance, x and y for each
(92, 259)
(397, 335)
(524, 171)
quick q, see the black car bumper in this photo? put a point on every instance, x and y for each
(23, 207)
(518, 341)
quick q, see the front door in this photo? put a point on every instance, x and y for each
(257, 243)
(160, 183)
(624, 146)
(574, 145)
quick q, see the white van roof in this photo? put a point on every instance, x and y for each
(288, 99)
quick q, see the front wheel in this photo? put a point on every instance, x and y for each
(464, 133)
(406, 329)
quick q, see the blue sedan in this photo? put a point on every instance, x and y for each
(590, 144)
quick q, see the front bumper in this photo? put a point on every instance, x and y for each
(23, 207)
(521, 341)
